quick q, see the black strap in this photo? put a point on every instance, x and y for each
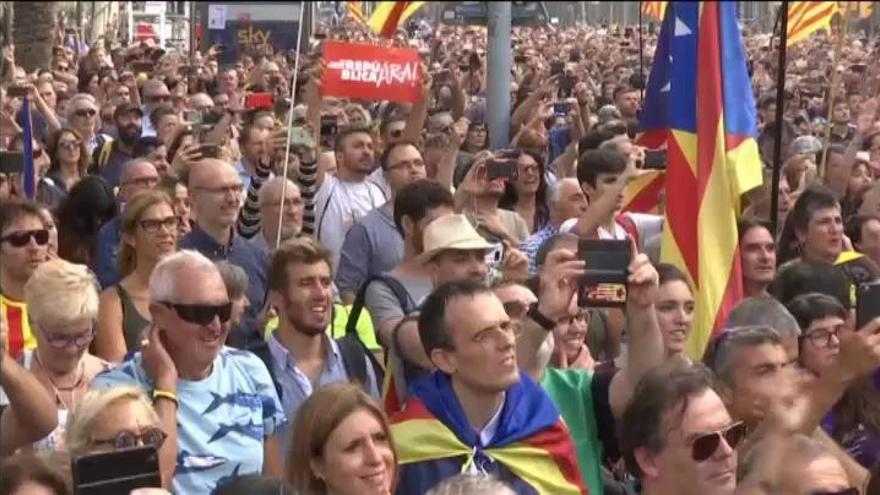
(396, 287)
(356, 357)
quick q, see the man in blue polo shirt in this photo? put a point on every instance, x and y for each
(215, 190)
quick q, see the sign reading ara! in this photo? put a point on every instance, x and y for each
(371, 72)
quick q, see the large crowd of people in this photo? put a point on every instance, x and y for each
(379, 312)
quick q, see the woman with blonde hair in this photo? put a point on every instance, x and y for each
(114, 418)
(149, 233)
(341, 444)
(62, 301)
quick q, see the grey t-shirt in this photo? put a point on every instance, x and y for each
(372, 246)
(383, 305)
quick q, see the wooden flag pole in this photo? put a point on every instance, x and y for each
(832, 91)
(780, 113)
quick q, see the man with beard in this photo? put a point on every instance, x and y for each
(302, 358)
(343, 199)
(110, 158)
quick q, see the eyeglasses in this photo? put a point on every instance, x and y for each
(61, 341)
(85, 112)
(582, 316)
(822, 337)
(150, 437)
(22, 238)
(706, 444)
(69, 145)
(152, 225)
(202, 314)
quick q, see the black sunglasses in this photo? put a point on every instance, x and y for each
(85, 112)
(202, 314)
(706, 444)
(151, 437)
(22, 238)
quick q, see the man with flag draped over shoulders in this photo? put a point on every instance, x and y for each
(477, 412)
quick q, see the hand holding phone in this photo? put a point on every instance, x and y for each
(117, 471)
(604, 283)
(501, 168)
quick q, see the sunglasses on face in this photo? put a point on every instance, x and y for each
(79, 340)
(152, 225)
(85, 112)
(202, 314)
(705, 445)
(150, 437)
(22, 238)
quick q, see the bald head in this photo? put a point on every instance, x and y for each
(201, 102)
(139, 175)
(270, 193)
(216, 192)
(208, 171)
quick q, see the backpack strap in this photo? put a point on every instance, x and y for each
(356, 358)
(396, 287)
(261, 350)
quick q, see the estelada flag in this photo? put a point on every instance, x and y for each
(642, 194)
(371, 72)
(699, 104)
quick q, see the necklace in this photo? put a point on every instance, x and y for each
(55, 388)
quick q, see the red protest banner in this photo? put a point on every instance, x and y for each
(371, 72)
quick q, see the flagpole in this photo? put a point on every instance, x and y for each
(832, 92)
(641, 56)
(780, 113)
(290, 122)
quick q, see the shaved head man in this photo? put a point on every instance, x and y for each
(215, 190)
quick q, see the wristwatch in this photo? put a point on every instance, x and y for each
(540, 318)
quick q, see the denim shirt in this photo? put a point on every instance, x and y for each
(106, 268)
(239, 252)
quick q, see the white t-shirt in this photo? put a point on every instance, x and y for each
(338, 205)
(647, 225)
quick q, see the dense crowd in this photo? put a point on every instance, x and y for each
(392, 307)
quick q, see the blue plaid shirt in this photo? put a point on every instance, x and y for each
(534, 242)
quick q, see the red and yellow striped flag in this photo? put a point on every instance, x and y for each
(805, 18)
(700, 105)
(654, 9)
(388, 16)
(355, 11)
(642, 195)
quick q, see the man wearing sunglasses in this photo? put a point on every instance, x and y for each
(24, 245)
(217, 405)
(677, 436)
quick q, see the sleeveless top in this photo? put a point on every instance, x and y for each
(132, 321)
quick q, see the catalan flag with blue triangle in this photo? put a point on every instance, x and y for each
(531, 450)
(699, 106)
